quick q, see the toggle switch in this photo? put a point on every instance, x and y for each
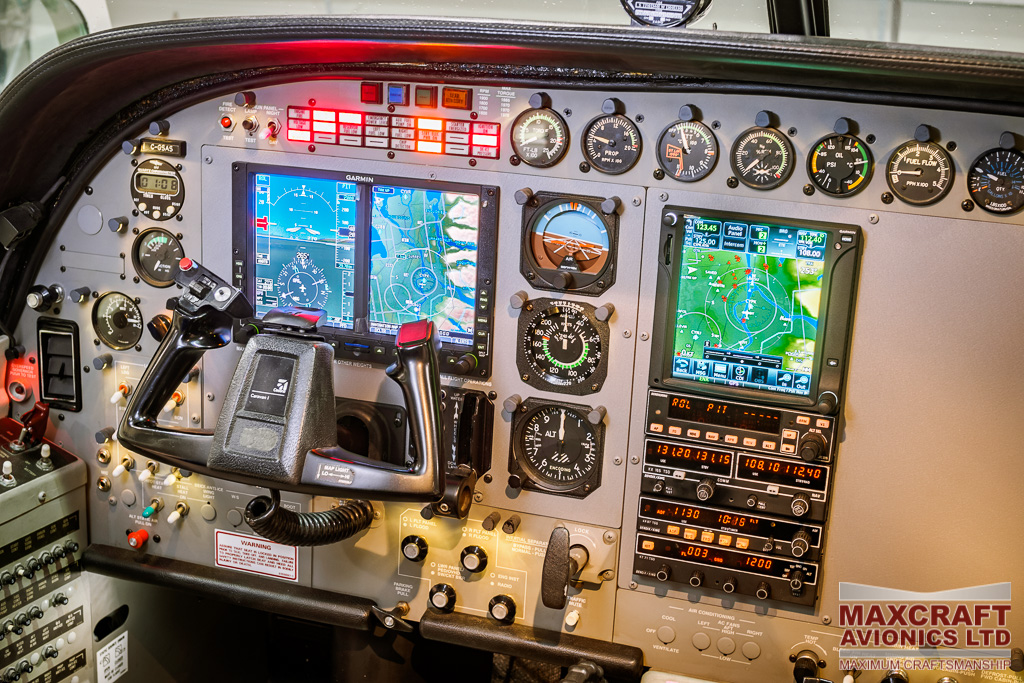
(147, 474)
(44, 463)
(7, 475)
(123, 390)
(180, 510)
(127, 463)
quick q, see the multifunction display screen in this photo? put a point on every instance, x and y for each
(748, 303)
(372, 254)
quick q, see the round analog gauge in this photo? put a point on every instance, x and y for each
(157, 189)
(840, 165)
(920, 172)
(117, 321)
(762, 158)
(996, 181)
(563, 348)
(155, 255)
(539, 137)
(569, 244)
(687, 151)
(557, 447)
(612, 144)
(303, 283)
(666, 13)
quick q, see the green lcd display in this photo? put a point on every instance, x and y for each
(748, 302)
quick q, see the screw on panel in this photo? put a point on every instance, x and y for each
(376, 513)
(209, 396)
(808, 189)
(195, 419)
(478, 497)
(659, 175)
(627, 334)
(873, 218)
(732, 182)
(887, 197)
(609, 537)
(791, 132)
(635, 459)
(607, 575)
(826, 619)
(967, 205)
(633, 585)
(644, 336)
(41, 497)
(617, 460)
(584, 167)
(663, 196)
(208, 160)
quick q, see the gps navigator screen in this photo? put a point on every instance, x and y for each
(423, 260)
(747, 304)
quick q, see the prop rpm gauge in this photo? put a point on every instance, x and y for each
(117, 321)
(303, 283)
(612, 144)
(157, 189)
(840, 165)
(762, 158)
(569, 244)
(562, 347)
(556, 449)
(687, 151)
(920, 173)
(996, 181)
(155, 256)
(539, 137)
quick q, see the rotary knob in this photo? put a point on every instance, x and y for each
(764, 591)
(812, 447)
(705, 489)
(729, 585)
(473, 559)
(502, 608)
(697, 578)
(664, 573)
(895, 676)
(800, 505)
(34, 564)
(442, 597)
(414, 548)
(801, 543)
(796, 583)
(805, 666)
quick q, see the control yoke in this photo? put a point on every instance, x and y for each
(277, 427)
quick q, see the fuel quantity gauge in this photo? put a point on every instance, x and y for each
(996, 180)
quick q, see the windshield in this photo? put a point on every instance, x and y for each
(29, 28)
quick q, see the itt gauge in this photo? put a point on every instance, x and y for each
(687, 149)
(155, 256)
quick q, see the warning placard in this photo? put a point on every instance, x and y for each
(256, 555)
(112, 660)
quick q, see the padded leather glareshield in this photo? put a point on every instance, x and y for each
(278, 426)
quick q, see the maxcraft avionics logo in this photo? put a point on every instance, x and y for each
(957, 630)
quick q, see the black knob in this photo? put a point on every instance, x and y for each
(23, 572)
(826, 403)
(60, 599)
(764, 591)
(1017, 659)
(59, 551)
(751, 501)
(7, 579)
(246, 98)
(800, 505)
(613, 105)
(511, 524)
(414, 548)
(34, 564)
(130, 147)
(801, 543)
(540, 99)
(71, 547)
(515, 481)
(159, 326)
(103, 361)
(103, 435)
(669, 219)
(250, 123)
(80, 295)
(562, 280)
(697, 578)
(491, 521)
(41, 298)
(796, 583)
(502, 608)
(11, 675)
(705, 489)
(664, 573)
(729, 585)
(50, 651)
(25, 667)
(473, 559)
(522, 196)
(442, 597)
(35, 612)
(895, 676)
(805, 666)
(659, 486)
(119, 224)
(160, 127)
(610, 205)
(23, 619)
(465, 364)
(812, 447)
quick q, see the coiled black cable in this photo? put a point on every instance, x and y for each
(275, 523)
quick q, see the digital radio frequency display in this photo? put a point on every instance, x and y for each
(725, 414)
(782, 472)
(747, 304)
(423, 260)
(683, 513)
(716, 557)
(305, 244)
(689, 457)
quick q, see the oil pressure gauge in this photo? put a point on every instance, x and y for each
(556, 448)
(840, 165)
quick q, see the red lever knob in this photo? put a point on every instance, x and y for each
(137, 539)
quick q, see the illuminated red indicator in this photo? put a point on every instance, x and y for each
(429, 124)
(262, 223)
(226, 123)
(431, 147)
(485, 140)
(350, 117)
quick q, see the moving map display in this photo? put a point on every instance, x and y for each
(423, 260)
(305, 244)
(748, 304)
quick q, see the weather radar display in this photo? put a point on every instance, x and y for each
(748, 303)
(423, 260)
(305, 244)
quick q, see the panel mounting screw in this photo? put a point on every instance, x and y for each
(609, 537)
(887, 197)
(207, 160)
(636, 201)
(633, 585)
(967, 205)
(627, 334)
(826, 619)
(635, 459)
(478, 497)
(659, 175)
(732, 182)
(644, 336)
(617, 460)
(663, 196)
(873, 218)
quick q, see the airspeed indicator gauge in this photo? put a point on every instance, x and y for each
(539, 137)
(555, 448)
(920, 173)
(562, 347)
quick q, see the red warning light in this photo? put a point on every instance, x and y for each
(226, 123)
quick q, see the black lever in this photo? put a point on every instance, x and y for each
(562, 563)
(282, 434)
